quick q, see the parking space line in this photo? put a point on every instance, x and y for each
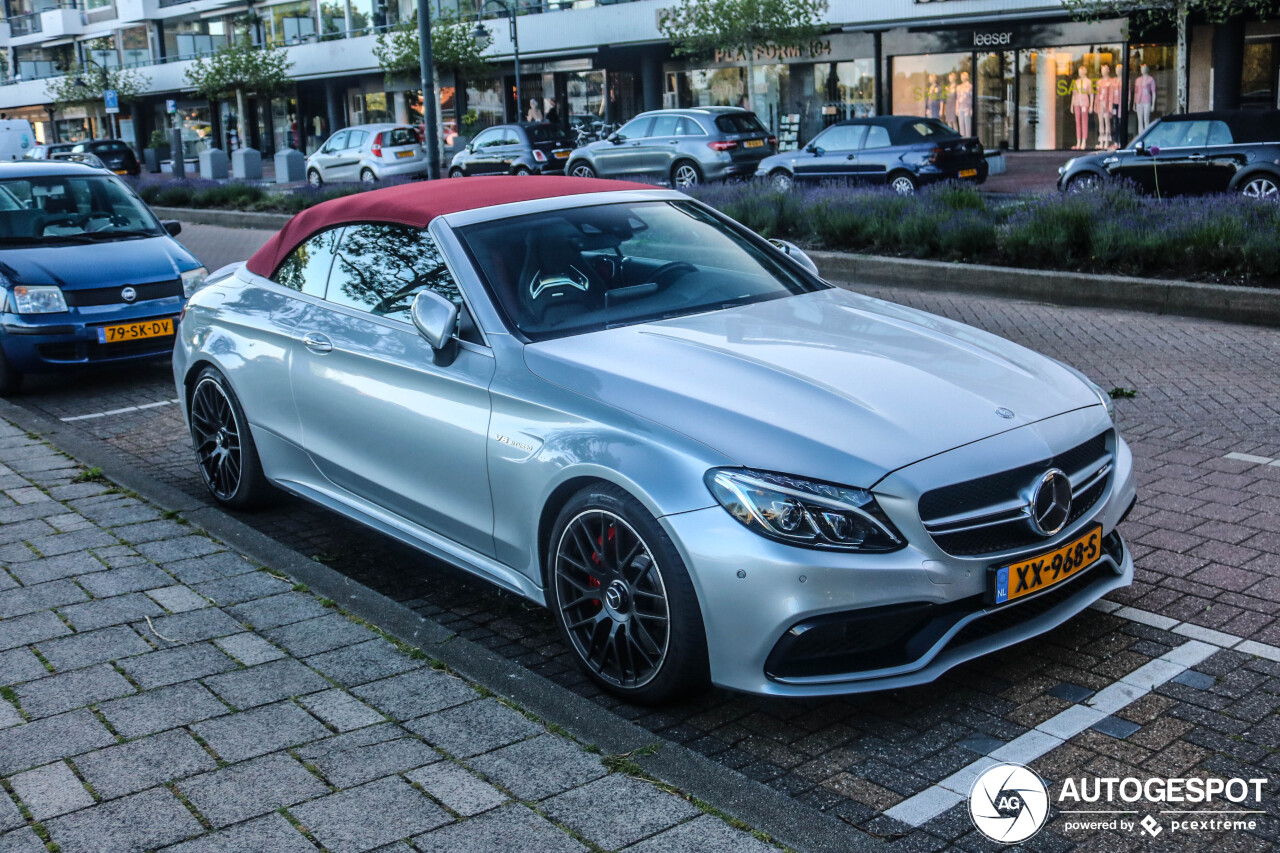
(1249, 457)
(1058, 729)
(125, 410)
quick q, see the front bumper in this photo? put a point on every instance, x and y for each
(46, 343)
(754, 591)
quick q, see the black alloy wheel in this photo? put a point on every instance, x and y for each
(612, 599)
(225, 450)
(623, 599)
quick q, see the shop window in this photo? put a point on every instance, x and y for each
(1060, 105)
(1151, 93)
(936, 85)
(1258, 79)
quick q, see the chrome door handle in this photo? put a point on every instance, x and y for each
(317, 342)
(1196, 157)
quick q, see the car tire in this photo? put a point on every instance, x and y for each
(1261, 187)
(224, 446)
(455, 172)
(1084, 182)
(581, 170)
(782, 180)
(685, 173)
(904, 183)
(643, 639)
(10, 379)
(314, 179)
(521, 172)
(367, 176)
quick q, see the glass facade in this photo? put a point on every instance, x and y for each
(103, 51)
(135, 47)
(192, 36)
(935, 86)
(289, 23)
(1070, 97)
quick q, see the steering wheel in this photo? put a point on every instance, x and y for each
(671, 271)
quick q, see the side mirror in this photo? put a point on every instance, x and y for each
(616, 139)
(819, 151)
(173, 226)
(793, 251)
(1140, 148)
(435, 318)
(811, 148)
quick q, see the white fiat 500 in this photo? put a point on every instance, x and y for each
(712, 466)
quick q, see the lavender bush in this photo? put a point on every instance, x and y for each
(1114, 230)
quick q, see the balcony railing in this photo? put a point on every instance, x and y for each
(24, 25)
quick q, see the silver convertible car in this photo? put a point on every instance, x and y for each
(708, 463)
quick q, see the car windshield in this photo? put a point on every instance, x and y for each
(739, 123)
(925, 130)
(545, 133)
(57, 209)
(584, 269)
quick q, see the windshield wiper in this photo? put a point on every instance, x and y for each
(118, 232)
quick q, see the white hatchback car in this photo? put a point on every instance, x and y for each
(369, 153)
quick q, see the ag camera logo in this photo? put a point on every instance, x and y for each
(1009, 803)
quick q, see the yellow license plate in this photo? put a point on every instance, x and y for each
(754, 143)
(561, 155)
(1044, 570)
(135, 331)
(968, 173)
(121, 171)
(404, 153)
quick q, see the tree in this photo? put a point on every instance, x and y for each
(453, 48)
(84, 85)
(750, 29)
(240, 68)
(1144, 14)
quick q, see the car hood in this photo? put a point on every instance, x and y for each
(829, 385)
(79, 267)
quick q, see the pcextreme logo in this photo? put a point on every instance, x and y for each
(1009, 803)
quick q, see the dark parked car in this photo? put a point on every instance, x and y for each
(1192, 154)
(528, 148)
(904, 152)
(685, 147)
(113, 153)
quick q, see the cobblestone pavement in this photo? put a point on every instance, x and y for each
(1204, 536)
(161, 691)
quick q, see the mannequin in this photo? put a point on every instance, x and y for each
(1102, 106)
(933, 98)
(1144, 97)
(964, 105)
(953, 83)
(1117, 86)
(535, 112)
(1081, 106)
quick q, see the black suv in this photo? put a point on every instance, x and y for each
(1192, 154)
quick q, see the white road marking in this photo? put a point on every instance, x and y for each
(1249, 457)
(1057, 730)
(123, 411)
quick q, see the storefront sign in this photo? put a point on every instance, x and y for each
(992, 39)
(773, 53)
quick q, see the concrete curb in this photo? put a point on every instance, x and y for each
(1255, 305)
(224, 218)
(765, 809)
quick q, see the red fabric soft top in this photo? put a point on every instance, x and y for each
(418, 203)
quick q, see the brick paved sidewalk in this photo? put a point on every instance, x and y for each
(159, 689)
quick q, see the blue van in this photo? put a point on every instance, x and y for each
(88, 274)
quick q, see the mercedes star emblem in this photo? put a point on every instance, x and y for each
(1004, 413)
(1050, 502)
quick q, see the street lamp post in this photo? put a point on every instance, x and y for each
(429, 99)
(481, 34)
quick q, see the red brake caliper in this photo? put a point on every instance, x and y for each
(592, 580)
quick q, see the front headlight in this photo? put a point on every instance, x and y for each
(38, 299)
(804, 512)
(192, 280)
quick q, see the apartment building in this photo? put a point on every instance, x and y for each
(1004, 70)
